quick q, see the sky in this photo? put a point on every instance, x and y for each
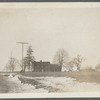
(77, 30)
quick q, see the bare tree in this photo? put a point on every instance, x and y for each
(70, 65)
(78, 61)
(61, 58)
(11, 64)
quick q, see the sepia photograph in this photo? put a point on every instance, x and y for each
(49, 49)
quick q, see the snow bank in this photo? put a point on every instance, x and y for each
(11, 75)
(66, 84)
(19, 87)
(51, 84)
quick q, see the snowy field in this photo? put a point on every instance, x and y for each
(24, 84)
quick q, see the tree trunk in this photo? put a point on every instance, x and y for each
(24, 68)
(78, 68)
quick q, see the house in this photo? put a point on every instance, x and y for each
(45, 67)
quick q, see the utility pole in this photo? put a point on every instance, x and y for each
(22, 43)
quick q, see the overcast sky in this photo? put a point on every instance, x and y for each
(46, 29)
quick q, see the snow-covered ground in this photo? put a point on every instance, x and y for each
(16, 86)
(49, 84)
